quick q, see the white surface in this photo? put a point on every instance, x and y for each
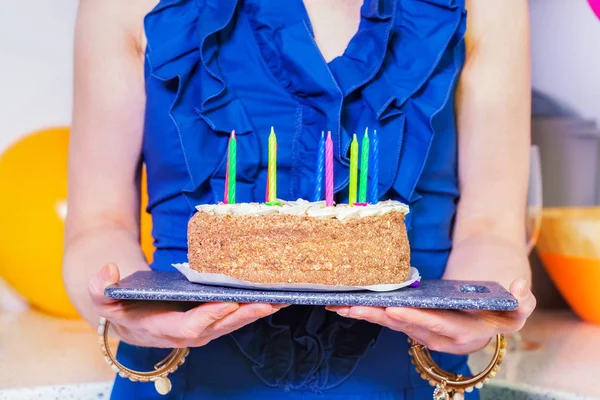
(224, 280)
(83, 391)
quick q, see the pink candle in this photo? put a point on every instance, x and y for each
(329, 170)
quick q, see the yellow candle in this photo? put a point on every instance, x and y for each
(353, 170)
(272, 167)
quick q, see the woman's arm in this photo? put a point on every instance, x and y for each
(103, 203)
(493, 116)
(104, 155)
(493, 105)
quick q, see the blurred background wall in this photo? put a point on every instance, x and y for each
(36, 66)
(565, 50)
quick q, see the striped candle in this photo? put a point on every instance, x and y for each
(375, 170)
(364, 168)
(232, 170)
(329, 170)
(320, 170)
(353, 171)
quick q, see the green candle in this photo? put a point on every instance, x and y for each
(364, 168)
(272, 167)
(232, 169)
(353, 171)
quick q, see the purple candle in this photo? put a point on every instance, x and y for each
(329, 170)
(375, 169)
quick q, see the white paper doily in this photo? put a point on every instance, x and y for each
(224, 280)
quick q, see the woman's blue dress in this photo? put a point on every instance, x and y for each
(217, 65)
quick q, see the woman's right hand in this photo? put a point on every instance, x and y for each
(169, 324)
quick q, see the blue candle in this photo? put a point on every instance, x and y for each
(375, 169)
(318, 194)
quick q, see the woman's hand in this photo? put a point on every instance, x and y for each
(169, 324)
(461, 332)
(449, 331)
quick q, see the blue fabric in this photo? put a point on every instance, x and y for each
(217, 65)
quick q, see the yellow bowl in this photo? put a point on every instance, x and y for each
(569, 247)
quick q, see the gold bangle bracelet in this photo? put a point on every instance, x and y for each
(159, 376)
(449, 385)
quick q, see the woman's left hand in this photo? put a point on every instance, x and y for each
(452, 331)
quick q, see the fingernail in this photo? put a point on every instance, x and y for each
(343, 312)
(522, 289)
(279, 306)
(227, 308)
(106, 273)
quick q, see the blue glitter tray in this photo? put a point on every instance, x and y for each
(439, 294)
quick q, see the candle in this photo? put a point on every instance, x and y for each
(232, 170)
(267, 191)
(329, 171)
(226, 190)
(364, 168)
(353, 170)
(272, 167)
(375, 170)
(320, 170)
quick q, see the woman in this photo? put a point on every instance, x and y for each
(165, 83)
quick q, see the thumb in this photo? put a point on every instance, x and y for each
(107, 276)
(521, 290)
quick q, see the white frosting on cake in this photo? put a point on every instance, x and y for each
(303, 207)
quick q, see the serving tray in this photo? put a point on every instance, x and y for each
(436, 294)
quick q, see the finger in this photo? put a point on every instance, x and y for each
(194, 322)
(462, 328)
(338, 309)
(513, 321)
(426, 337)
(421, 333)
(246, 314)
(459, 327)
(107, 276)
(161, 324)
(165, 321)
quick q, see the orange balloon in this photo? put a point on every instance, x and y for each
(33, 177)
(33, 206)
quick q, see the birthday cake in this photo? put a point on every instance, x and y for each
(302, 242)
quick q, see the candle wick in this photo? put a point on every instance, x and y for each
(233, 134)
